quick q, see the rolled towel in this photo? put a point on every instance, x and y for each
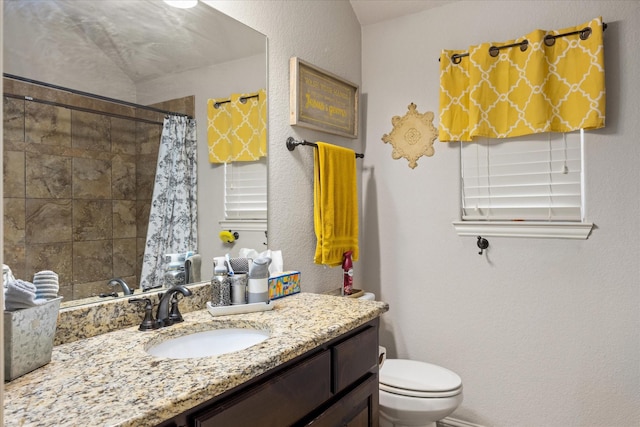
(46, 283)
(7, 275)
(47, 292)
(20, 294)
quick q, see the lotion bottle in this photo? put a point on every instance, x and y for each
(347, 268)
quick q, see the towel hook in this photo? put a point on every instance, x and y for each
(482, 244)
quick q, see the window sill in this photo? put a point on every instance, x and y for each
(244, 224)
(541, 229)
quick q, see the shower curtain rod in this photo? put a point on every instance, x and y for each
(86, 110)
(293, 143)
(92, 95)
(549, 40)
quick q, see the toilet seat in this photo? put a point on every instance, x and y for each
(413, 378)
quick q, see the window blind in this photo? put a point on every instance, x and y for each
(245, 190)
(531, 178)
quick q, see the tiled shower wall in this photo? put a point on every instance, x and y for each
(77, 188)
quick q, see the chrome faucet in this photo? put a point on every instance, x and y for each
(123, 285)
(164, 316)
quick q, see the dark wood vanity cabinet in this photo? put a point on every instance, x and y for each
(336, 384)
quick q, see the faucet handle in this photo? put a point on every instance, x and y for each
(148, 323)
(174, 313)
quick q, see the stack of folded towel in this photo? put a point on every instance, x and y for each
(20, 294)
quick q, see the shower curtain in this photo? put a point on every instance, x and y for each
(173, 219)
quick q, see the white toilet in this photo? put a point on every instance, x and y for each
(414, 393)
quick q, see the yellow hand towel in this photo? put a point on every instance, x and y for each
(335, 204)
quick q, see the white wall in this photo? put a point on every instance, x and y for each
(326, 34)
(542, 332)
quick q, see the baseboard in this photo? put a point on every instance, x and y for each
(452, 422)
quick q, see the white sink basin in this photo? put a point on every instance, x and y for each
(208, 343)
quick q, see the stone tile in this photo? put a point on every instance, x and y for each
(14, 219)
(48, 176)
(142, 218)
(92, 261)
(36, 91)
(91, 289)
(50, 256)
(14, 257)
(66, 292)
(13, 119)
(145, 176)
(13, 174)
(148, 138)
(91, 179)
(90, 131)
(123, 136)
(48, 220)
(132, 281)
(92, 220)
(124, 219)
(46, 124)
(141, 242)
(94, 289)
(150, 115)
(185, 105)
(123, 177)
(124, 257)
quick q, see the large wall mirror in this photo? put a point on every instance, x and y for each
(77, 183)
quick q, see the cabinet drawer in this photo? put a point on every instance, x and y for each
(281, 401)
(354, 357)
(358, 408)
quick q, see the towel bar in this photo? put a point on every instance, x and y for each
(293, 143)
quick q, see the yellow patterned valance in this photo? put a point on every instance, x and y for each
(237, 127)
(530, 86)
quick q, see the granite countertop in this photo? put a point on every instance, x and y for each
(109, 379)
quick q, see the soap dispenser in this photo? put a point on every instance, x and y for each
(259, 280)
(220, 284)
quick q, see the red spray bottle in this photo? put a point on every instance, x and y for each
(347, 267)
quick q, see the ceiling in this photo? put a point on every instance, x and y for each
(374, 11)
(144, 39)
(195, 38)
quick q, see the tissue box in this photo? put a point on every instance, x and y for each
(28, 338)
(283, 284)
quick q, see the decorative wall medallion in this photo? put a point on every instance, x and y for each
(412, 136)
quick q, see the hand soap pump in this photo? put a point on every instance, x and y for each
(220, 284)
(259, 280)
(347, 268)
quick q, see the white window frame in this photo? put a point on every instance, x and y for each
(253, 195)
(551, 228)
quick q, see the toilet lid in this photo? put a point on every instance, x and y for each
(415, 378)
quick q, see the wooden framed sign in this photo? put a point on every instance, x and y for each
(322, 101)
